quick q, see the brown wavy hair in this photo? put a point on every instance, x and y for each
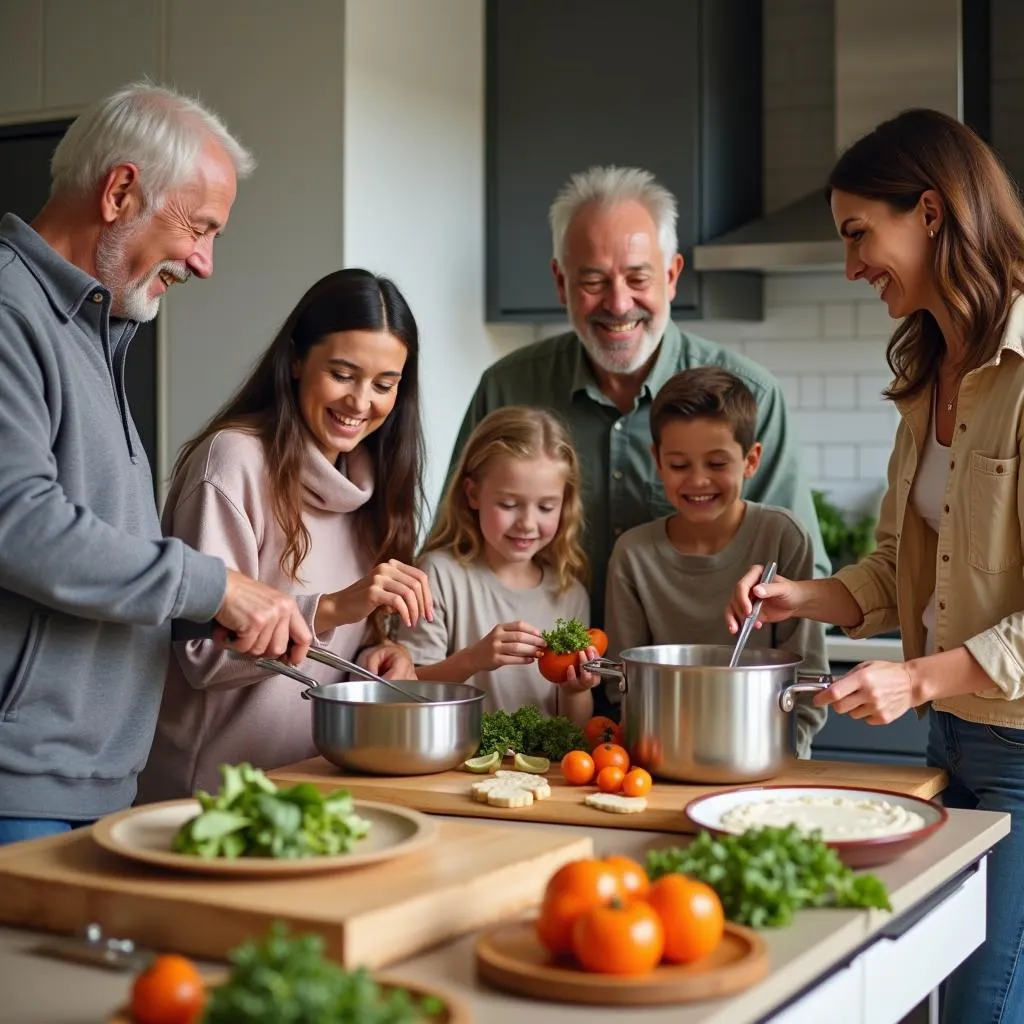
(517, 432)
(266, 404)
(706, 392)
(979, 250)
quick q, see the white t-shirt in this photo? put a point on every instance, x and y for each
(469, 601)
(928, 495)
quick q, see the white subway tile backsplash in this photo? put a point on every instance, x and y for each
(869, 389)
(792, 289)
(790, 384)
(838, 320)
(861, 427)
(833, 356)
(873, 319)
(839, 462)
(812, 393)
(840, 392)
(873, 461)
(810, 455)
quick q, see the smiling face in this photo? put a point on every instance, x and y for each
(702, 468)
(348, 386)
(614, 280)
(140, 255)
(519, 506)
(890, 249)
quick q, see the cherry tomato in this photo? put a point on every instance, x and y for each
(571, 890)
(636, 782)
(170, 991)
(577, 768)
(609, 779)
(601, 730)
(610, 754)
(691, 915)
(619, 938)
(634, 878)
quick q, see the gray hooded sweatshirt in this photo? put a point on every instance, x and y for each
(88, 586)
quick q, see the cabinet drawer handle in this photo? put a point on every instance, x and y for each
(899, 927)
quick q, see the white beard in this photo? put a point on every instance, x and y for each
(130, 299)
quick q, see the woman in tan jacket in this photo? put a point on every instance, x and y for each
(309, 480)
(932, 222)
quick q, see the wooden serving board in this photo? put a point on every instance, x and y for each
(468, 877)
(510, 957)
(449, 792)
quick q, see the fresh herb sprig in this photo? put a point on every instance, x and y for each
(287, 980)
(527, 731)
(250, 817)
(766, 874)
(567, 636)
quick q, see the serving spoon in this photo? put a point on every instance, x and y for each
(748, 623)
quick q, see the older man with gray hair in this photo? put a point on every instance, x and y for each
(142, 184)
(616, 264)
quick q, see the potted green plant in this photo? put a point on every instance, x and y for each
(845, 541)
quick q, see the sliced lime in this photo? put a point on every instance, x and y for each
(481, 765)
(533, 765)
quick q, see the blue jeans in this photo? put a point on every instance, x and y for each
(986, 773)
(13, 830)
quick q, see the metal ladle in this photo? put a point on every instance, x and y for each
(748, 623)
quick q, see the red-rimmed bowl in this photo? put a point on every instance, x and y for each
(706, 812)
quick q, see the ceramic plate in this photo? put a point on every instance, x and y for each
(145, 833)
(707, 812)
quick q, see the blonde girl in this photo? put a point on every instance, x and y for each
(504, 561)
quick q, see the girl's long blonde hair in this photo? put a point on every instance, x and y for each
(517, 432)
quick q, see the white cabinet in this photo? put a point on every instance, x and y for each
(838, 1000)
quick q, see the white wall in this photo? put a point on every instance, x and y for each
(414, 190)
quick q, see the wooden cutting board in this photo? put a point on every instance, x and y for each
(449, 792)
(470, 876)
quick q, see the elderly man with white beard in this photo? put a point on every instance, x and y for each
(142, 184)
(616, 264)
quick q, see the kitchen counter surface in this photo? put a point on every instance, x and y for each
(39, 990)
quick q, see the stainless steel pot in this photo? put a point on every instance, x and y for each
(688, 717)
(367, 727)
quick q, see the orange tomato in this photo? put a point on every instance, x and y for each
(691, 915)
(636, 782)
(621, 938)
(609, 779)
(572, 889)
(598, 639)
(577, 767)
(170, 991)
(634, 878)
(601, 730)
(555, 667)
(610, 754)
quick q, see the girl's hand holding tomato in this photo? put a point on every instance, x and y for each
(565, 642)
(576, 680)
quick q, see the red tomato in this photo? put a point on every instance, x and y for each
(555, 667)
(170, 991)
(601, 730)
(610, 754)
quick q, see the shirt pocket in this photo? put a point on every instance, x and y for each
(995, 539)
(657, 504)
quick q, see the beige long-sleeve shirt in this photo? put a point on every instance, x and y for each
(217, 709)
(658, 595)
(974, 563)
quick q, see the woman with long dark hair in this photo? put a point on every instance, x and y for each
(933, 223)
(309, 479)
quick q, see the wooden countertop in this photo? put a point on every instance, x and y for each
(39, 990)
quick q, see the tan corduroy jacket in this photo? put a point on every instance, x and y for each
(975, 565)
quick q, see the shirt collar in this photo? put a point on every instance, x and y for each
(65, 285)
(665, 365)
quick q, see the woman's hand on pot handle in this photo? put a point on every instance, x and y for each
(394, 585)
(782, 599)
(877, 691)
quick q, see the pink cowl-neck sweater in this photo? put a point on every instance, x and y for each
(217, 709)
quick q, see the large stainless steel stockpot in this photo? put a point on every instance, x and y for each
(369, 727)
(688, 717)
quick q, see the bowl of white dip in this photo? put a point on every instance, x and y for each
(865, 826)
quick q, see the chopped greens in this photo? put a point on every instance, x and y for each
(287, 980)
(527, 731)
(251, 817)
(766, 874)
(567, 636)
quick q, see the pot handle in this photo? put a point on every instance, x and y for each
(293, 673)
(607, 669)
(806, 684)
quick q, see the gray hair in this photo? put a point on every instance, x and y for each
(155, 128)
(607, 186)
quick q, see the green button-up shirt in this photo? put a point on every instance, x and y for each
(621, 488)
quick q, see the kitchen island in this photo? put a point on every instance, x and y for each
(840, 966)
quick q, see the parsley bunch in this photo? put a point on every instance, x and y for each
(766, 874)
(284, 980)
(527, 731)
(567, 636)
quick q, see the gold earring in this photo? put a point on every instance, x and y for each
(931, 234)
